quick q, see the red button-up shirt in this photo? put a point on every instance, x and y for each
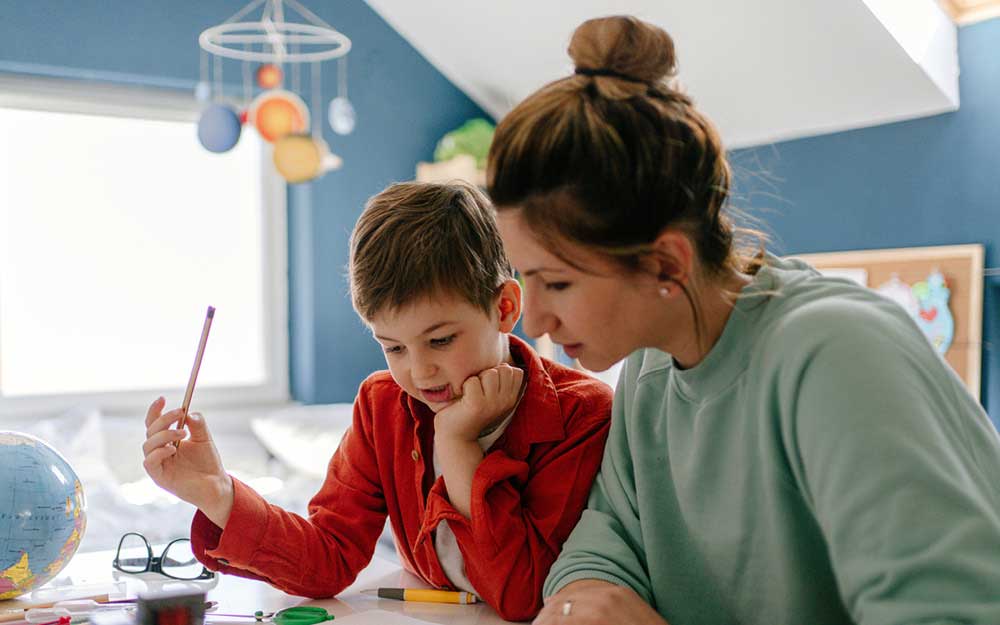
(527, 494)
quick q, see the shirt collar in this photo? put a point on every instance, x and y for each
(730, 355)
(538, 418)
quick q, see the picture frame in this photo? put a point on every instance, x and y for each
(962, 267)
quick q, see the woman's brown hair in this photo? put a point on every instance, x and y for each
(612, 155)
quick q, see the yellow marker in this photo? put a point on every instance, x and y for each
(422, 594)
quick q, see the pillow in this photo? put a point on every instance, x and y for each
(77, 434)
(304, 437)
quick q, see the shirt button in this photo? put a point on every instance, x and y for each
(415, 454)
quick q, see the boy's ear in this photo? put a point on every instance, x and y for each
(509, 305)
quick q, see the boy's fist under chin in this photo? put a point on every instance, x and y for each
(486, 397)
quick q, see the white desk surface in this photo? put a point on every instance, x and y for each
(244, 596)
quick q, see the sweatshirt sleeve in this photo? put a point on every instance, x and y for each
(607, 542)
(317, 556)
(521, 513)
(900, 467)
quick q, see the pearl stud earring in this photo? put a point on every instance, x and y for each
(664, 291)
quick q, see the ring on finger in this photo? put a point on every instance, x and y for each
(567, 607)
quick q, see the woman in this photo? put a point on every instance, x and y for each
(785, 447)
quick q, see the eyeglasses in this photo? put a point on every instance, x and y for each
(177, 560)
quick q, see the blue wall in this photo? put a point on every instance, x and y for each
(404, 105)
(932, 181)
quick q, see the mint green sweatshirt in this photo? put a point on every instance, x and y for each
(821, 465)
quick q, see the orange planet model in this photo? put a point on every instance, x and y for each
(269, 76)
(278, 113)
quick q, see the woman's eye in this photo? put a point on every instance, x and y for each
(556, 286)
(441, 342)
(393, 349)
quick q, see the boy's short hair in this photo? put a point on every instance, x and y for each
(417, 240)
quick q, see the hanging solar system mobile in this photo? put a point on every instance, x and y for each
(280, 116)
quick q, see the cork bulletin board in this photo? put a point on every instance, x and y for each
(961, 267)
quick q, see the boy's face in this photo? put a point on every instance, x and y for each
(433, 345)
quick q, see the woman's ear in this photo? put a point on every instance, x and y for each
(672, 259)
(509, 305)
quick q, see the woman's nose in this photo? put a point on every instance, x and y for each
(537, 320)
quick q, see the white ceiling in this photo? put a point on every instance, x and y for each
(763, 70)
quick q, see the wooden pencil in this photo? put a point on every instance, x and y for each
(15, 609)
(186, 404)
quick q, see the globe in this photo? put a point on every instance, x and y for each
(42, 513)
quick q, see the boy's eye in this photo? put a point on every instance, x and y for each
(556, 286)
(441, 342)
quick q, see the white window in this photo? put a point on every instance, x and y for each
(117, 231)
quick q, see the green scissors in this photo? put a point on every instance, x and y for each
(297, 615)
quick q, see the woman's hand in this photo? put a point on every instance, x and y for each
(191, 470)
(595, 602)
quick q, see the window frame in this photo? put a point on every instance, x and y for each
(156, 103)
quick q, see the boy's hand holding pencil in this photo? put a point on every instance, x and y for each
(184, 460)
(193, 470)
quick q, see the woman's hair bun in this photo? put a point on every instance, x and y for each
(626, 45)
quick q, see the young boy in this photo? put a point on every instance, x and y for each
(481, 453)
